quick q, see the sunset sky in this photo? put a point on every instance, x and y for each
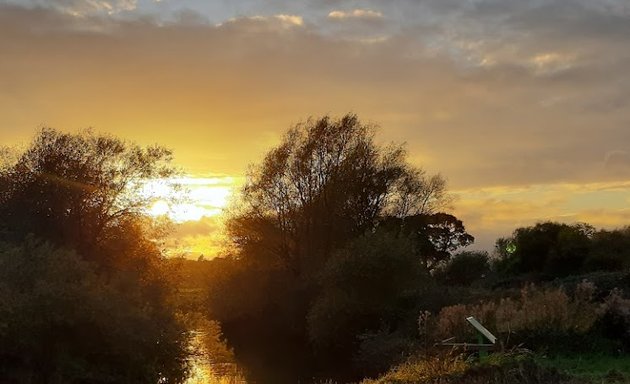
(524, 106)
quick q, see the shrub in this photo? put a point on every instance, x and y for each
(541, 317)
(604, 282)
(61, 322)
(615, 320)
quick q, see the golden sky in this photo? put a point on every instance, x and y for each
(523, 105)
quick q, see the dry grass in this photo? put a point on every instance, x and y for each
(537, 310)
(507, 368)
(421, 371)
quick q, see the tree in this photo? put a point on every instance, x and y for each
(85, 295)
(610, 250)
(549, 248)
(464, 268)
(72, 189)
(63, 322)
(326, 183)
(435, 236)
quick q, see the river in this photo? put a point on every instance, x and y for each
(204, 368)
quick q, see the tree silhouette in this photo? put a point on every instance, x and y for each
(85, 295)
(75, 189)
(308, 210)
(326, 183)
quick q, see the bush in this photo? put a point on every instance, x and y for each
(62, 322)
(604, 283)
(539, 317)
(615, 320)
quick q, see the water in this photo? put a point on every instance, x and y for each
(206, 370)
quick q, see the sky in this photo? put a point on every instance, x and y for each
(524, 106)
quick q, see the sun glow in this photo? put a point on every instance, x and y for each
(189, 198)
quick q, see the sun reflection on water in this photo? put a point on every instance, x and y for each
(204, 372)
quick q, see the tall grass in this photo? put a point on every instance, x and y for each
(517, 367)
(536, 312)
(538, 316)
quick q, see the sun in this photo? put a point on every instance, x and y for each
(203, 197)
(159, 208)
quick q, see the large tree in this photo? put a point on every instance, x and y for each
(82, 191)
(326, 183)
(85, 295)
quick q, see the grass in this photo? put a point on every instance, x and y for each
(510, 368)
(421, 371)
(593, 367)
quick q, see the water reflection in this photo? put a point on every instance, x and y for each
(207, 367)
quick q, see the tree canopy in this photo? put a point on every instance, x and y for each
(327, 182)
(72, 189)
(84, 292)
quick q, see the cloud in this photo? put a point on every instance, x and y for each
(290, 19)
(203, 226)
(87, 7)
(355, 14)
(265, 22)
(198, 237)
(492, 94)
(489, 95)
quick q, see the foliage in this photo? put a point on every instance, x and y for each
(434, 236)
(604, 282)
(74, 189)
(615, 320)
(120, 332)
(548, 248)
(417, 370)
(326, 183)
(310, 257)
(464, 268)
(239, 290)
(610, 250)
(85, 295)
(365, 286)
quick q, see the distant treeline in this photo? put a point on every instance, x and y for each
(555, 250)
